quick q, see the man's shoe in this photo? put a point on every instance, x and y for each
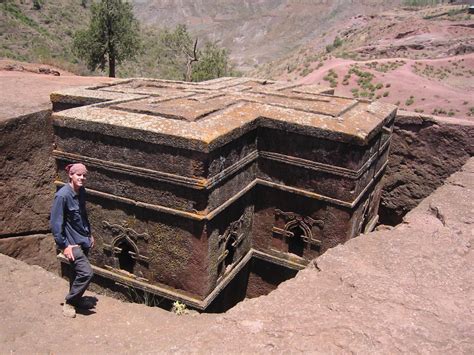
(84, 304)
(69, 310)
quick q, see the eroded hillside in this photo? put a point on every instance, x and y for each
(421, 60)
(256, 31)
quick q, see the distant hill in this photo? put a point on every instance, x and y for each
(256, 31)
(420, 59)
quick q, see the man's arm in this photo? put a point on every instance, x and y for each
(57, 222)
(86, 217)
(57, 227)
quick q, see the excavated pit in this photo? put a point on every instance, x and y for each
(257, 278)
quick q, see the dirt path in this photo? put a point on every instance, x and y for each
(408, 290)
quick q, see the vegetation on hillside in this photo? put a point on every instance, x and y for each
(176, 55)
(41, 34)
(44, 32)
(418, 3)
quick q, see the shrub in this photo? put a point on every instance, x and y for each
(409, 101)
(439, 111)
(305, 71)
(337, 42)
(179, 308)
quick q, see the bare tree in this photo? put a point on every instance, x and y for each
(190, 60)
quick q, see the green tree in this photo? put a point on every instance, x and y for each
(213, 62)
(178, 57)
(175, 49)
(112, 36)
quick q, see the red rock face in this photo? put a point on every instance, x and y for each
(188, 182)
(425, 150)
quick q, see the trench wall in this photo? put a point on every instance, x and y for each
(26, 172)
(424, 151)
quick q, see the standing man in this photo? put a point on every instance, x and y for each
(72, 234)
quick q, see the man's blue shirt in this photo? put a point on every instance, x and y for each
(69, 222)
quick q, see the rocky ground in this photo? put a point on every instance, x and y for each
(407, 290)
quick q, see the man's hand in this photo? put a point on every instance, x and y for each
(92, 241)
(68, 252)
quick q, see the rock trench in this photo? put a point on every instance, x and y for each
(404, 290)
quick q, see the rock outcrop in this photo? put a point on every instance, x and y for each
(36, 249)
(26, 166)
(424, 151)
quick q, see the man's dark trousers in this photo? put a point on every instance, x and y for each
(81, 275)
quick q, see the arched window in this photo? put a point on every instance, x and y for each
(297, 242)
(297, 230)
(125, 258)
(123, 249)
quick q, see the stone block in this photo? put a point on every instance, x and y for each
(187, 181)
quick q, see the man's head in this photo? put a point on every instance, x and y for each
(77, 175)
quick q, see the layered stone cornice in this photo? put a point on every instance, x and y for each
(205, 116)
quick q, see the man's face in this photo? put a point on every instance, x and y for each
(77, 180)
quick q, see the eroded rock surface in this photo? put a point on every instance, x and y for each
(27, 172)
(26, 139)
(38, 249)
(424, 151)
(405, 290)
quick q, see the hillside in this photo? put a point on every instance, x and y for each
(42, 35)
(420, 59)
(255, 31)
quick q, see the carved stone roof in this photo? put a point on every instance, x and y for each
(204, 116)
